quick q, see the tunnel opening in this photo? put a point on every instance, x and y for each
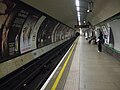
(77, 34)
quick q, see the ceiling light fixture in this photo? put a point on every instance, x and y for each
(88, 10)
(84, 21)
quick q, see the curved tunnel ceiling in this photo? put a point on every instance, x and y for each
(62, 10)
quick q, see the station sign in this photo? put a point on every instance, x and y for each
(81, 26)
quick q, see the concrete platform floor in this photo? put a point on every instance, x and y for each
(92, 70)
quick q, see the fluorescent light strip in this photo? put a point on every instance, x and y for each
(79, 19)
(77, 3)
(78, 14)
(78, 9)
(79, 23)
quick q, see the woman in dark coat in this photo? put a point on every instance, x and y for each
(100, 42)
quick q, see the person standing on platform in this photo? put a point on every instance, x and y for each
(100, 41)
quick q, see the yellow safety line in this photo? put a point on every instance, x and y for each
(62, 70)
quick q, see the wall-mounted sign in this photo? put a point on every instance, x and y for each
(81, 26)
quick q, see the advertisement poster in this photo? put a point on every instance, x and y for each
(44, 36)
(14, 33)
(34, 34)
(58, 32)
(23, 28)
(106, 34)
(48, 31)
(53, 33)
(27, 33)
(12, 29)
(69, 33)
(6, 21)
(5, 9)
(65, 31)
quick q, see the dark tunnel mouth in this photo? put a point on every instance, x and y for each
(77, 34)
